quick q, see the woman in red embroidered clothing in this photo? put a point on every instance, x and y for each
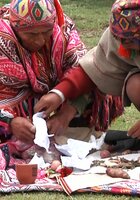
(38, 44)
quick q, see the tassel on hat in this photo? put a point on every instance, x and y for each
(124, 52)
(127, 53)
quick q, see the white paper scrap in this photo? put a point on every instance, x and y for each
(74, 161)
(39, 161)
(41, 136)
(75, 147)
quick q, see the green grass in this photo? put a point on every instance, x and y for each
(58, 196)
(4, 1)
(91, 18)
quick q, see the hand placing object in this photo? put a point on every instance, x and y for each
(48, 103)
(134, 131)
(23, 129)
(58, 123)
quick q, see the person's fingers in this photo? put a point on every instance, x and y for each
(136, 134)
(56, 130)
(27, 138)
(40, 106)
(52, 127)
(43, 104)
(29, 135)
(52, 130)
(32, 136)
(48, 103)
(132, 130)
(49, 110)
(49, 124)
(59, 131)
(33, 129)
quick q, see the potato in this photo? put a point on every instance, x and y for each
(117, 173)
(104, 154)
(55, 164)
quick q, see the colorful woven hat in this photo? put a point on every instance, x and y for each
(125, 19)
(31, 13)
(125, 24)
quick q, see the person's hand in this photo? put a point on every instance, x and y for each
(59, 122)
(48, 103)
(23, 129)
(134, 132)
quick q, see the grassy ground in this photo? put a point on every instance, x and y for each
(91, 18)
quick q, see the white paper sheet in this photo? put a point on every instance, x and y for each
(41, 136)
(76, 182)
(74, 161)
(39, 161)
(41, 139)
